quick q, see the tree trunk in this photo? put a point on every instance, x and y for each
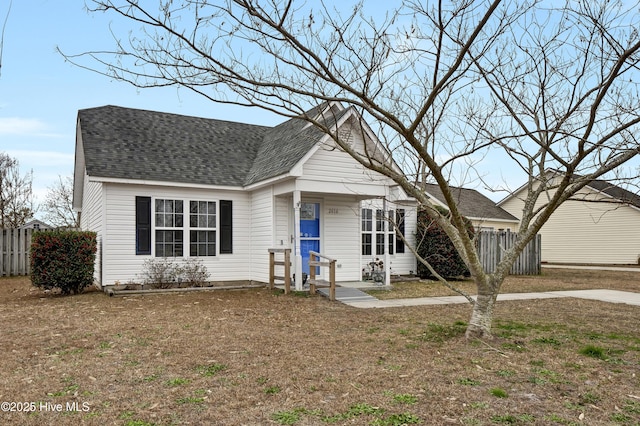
(480, 323)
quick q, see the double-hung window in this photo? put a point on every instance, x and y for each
(202, 228)
(173, 227)
(169, 227)
(380, 231)
(371, 233)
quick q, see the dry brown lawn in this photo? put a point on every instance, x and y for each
(551, 279)
(256, 357)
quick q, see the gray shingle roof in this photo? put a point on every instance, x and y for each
(128, 143)
(138, 144)
(286, 144)
(281, 148)
(471, 203)
(616, 192)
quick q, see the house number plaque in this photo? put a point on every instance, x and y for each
(333, 210)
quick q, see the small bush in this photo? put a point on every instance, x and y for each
(63, 260)
(163, 272)
(159, 273)
(194, 272)
(435, 246)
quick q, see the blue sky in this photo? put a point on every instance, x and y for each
(40, 94)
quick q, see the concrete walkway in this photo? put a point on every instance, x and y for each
(592, 267)
(358, 299)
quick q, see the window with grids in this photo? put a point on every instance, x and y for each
(371, 233)
(367, 228)
(169, 225)
(202, 228)
(380, 230)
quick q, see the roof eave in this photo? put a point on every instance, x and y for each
(103, 179)
(270, 181)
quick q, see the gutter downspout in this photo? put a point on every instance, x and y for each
(385, 229)
(297, 203)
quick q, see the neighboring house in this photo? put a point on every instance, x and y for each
(154, 184)
(35, 224)
(480, 210)
(599, 225)
(483, 213)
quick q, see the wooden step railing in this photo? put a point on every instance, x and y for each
(315, 260)
(287, 268)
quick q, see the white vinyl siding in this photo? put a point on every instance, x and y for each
(91, 219)
(284, 221)
(332, 170)
(119, 258)
(494, 225)
(341, 236)
(261, 233)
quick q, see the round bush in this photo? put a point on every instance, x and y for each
(435, 246)
(63, 260)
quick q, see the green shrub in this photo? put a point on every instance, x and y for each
(63, 260)
(435, 246)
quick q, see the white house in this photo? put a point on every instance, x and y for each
(35, 224)
(154, 184)
(483, 213)
(599, 225)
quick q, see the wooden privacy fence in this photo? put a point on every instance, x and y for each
(492, 244)
(15, 245)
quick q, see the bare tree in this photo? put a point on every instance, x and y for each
(447, 85)
(58, 205)
(16, 197)
(4, 26)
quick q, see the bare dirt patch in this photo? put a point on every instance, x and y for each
(257, 357)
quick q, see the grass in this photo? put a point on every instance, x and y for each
(211, 369)
(499, 393)
(593, 352)
(256, 357)
(549, 280)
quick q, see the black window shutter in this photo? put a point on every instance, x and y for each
(143, 225)
(226, 226)
(400, 216)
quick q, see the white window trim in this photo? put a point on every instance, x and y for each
(186, 226)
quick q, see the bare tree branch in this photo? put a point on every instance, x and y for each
(16, 196)
(552, 89)
(4, 27)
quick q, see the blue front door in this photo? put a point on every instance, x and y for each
(309, 232)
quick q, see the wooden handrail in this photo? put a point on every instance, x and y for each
(313, 283)
(287, 268)
(321, 255)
